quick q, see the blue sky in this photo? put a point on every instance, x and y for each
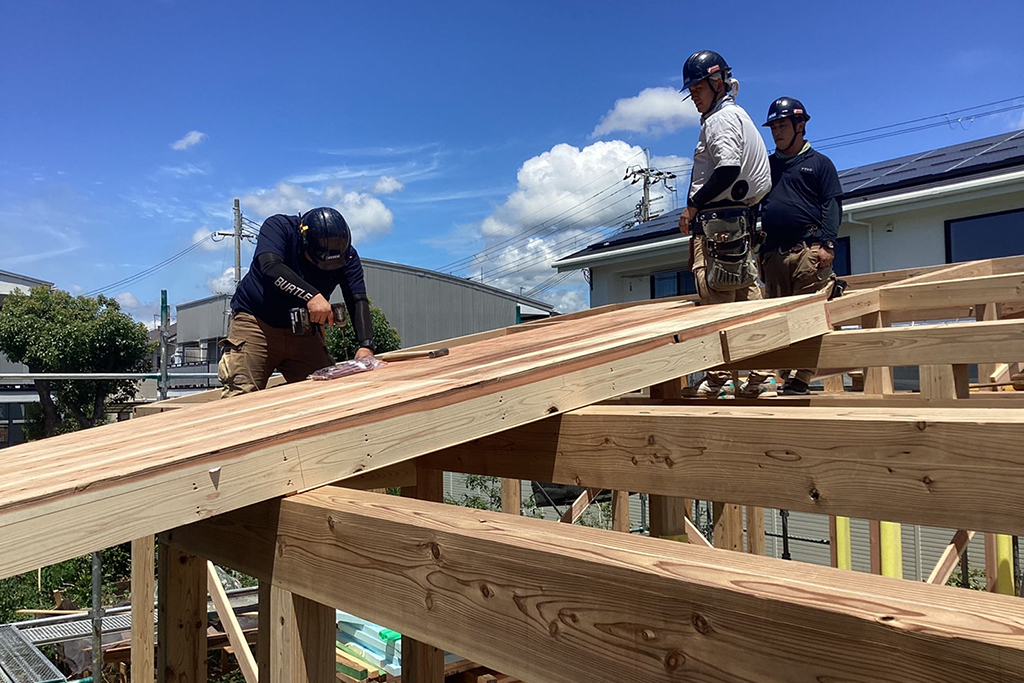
(443, 131)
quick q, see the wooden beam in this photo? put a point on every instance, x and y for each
(620, 511)
(958, 292)
(580, 505)
(728, 530)
(297, 637)
(512, 496)
(143, 624)
(950, 557)
(589, 605)
(985, 342)
(942, 382)
(181, 623)
(755, 530)
(422, 661)
(941, 467)
(877, 380)
(187, 464)
(246, 660)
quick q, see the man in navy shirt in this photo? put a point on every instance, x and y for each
(299, 260)
(800, 216)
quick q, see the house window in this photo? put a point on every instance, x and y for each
(983, 237)
(673, 283)
(841, 262)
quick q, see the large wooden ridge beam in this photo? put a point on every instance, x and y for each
(566, 603)
(125, 480)
(959, 468)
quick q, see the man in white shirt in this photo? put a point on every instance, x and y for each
(730, 176)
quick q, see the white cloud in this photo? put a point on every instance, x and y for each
(127, 300)
(387, 184)
(216, 244)
(191, 139)
(655, 111)
(366, 215)
(183, 171)
(566, 199)
(225, 282)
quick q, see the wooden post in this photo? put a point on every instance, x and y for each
(877, 380)
(839, 542)
(755, 530)
(181, 626)
(728, 520)
(987, 312)
(422, 662)
(875, 545)
(143, 626)
(667, 513)
(297, 638)
(620, 511)
(512, 496)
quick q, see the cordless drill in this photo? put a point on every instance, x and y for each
(300, 318)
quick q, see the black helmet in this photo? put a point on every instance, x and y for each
(325, 237)
(785, 107)
(703, 64)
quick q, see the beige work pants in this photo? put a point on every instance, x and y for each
(253, 350)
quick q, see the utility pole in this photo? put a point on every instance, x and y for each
(165, 321)
(650, 178)
(238, 243)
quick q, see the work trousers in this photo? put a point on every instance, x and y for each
(698, 261)
(789, 272)
(253, 350)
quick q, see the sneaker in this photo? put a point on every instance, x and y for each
(727, 391)
(795, 387)
(766, 389)
(708, 390)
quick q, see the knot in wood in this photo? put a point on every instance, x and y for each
(927, 481)
(428, 601)
(814, 494)
(651, 440)
(486, 591)
(648, 634)
(674, 659)
(553, 629)
(330, 522)
(701, 624)
(922, 425)
(435, 550)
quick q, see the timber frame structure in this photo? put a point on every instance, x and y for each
(277, 484)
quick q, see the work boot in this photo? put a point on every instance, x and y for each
(795, 387)
(767, 388)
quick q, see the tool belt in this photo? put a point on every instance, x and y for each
(730, 244)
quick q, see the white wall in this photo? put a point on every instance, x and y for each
(630, 280)
(913, 236)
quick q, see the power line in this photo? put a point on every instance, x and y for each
(152, 269)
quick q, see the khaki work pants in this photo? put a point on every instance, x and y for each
(793, 272)
(709, 296)
(253, 350)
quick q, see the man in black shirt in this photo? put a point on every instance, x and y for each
(298, 261)
(800, 216)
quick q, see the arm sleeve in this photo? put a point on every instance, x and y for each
(275, 273)
(721, 180)
(831, 217)
(362, 321)
(353, 289)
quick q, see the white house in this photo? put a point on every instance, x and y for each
(952, 204)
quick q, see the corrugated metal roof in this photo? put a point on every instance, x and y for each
(938, 166)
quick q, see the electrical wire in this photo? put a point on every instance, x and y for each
(152, 269)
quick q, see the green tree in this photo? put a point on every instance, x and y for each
(50, 330)
(342, 342)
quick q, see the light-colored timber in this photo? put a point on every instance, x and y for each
(193, 463)
(592, 605)
(944, 467)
